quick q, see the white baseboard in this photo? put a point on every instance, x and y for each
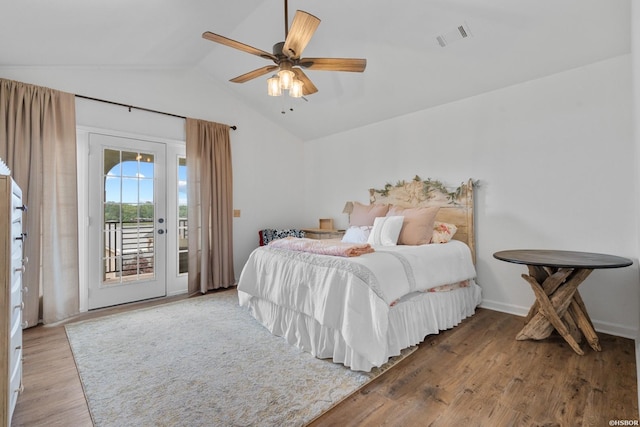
(600, 326)
(505, 308)
(638, 370)
(615, 329)
(176, 292)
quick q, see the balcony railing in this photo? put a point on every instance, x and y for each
(129, 246)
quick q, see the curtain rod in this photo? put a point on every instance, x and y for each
(234, 127)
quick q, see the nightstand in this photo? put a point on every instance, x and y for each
(322, 233)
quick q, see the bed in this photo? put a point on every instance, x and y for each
(362, 310)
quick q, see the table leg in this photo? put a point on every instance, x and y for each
(574, 329)
(550, 280)
(579, 313)
(548, 316)
(553, 300)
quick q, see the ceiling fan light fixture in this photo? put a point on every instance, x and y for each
(296, 89)
(287, 55)
(286, 78)
(273, 86)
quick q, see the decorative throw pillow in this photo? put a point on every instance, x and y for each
(418, 224)
(385, 231)
(268, 234)
(443, 232)
(366, 214)
(357, 234)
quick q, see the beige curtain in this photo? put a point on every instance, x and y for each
(38, 143)
(210, 216)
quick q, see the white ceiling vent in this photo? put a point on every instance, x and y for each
(461, 32)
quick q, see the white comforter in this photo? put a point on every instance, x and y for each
(352, 296)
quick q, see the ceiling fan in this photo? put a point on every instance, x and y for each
(286, 56)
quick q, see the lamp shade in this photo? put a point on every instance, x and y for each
(286, 79)
(296, 89)
(273, 86)
(348, 208)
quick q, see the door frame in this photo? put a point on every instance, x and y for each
(176, 283)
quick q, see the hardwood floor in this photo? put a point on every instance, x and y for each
(477, 375)
(473, 375)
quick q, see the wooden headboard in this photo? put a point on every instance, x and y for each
(456, 205)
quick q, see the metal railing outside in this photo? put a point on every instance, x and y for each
(129, 246)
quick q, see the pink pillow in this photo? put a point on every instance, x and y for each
(417, 228)
(364, 215)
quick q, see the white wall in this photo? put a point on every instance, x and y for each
(556, 164)
(266, 194)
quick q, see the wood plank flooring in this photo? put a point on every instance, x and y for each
(473, 375)
(477, 375)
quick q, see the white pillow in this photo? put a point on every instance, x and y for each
(357, 234)
(386, 230)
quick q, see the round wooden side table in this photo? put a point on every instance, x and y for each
(554, 277)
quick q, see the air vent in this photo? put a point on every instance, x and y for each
(461, 32)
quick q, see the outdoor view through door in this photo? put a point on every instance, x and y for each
(127, 220)
(129, 213)
(183, 226)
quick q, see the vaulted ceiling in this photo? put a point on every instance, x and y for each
(407, 70)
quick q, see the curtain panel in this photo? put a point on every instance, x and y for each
(38, 143)
(210, 201)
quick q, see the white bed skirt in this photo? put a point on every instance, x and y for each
(437, 311)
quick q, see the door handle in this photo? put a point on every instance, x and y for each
(161, 231)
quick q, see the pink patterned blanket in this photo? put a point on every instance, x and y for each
(322, 247)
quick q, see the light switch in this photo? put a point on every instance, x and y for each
(236, 213)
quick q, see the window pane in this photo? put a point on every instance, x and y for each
(183, 235)
(146, 166)
(112, 189)
(112, 162)
(145, 186)
(128, 215)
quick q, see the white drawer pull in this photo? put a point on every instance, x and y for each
(24, 290)
(19, 347)
(22, 269)
(20, 306)
(24, 324)
(25, 260)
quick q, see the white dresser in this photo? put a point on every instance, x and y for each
(11, 269)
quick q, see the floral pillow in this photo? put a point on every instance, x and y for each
(443, 232)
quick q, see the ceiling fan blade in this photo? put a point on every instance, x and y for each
(255, 73)
(302, 28)
(308, 88)
(334, 64)
(237, 45)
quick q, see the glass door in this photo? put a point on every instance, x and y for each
(127, 223)
(183, 223)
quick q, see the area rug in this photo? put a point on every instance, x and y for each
(202, 362)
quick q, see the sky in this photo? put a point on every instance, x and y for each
(132, 182)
